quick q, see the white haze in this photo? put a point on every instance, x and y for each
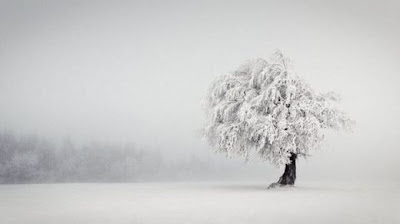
(136, 71)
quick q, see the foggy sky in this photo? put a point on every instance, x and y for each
(137, 71)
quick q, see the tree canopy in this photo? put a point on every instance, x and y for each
(265, 108)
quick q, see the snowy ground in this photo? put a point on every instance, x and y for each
(205, 202)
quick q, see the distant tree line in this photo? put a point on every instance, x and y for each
(32, 159)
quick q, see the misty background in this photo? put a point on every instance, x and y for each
(119, 85)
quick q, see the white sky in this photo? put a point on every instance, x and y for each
(137, 71)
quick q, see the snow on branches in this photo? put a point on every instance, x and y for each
(265, 108)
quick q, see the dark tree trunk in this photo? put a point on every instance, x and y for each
(289, 176)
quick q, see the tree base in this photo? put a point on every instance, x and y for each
(278, 185)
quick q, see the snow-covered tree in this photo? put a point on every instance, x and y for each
(264, 108)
